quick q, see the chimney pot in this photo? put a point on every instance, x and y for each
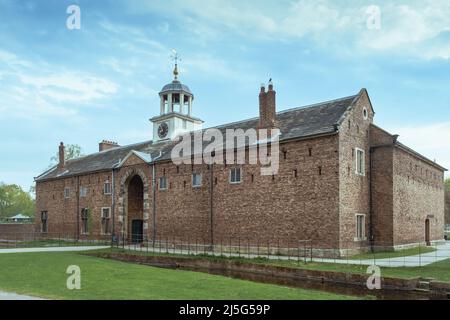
(267, 108)
(106, 145)
(62, 156)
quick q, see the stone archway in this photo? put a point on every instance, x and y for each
(133, 183)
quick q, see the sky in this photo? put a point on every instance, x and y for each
(101, 81)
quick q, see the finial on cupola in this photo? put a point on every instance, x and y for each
(175, 57)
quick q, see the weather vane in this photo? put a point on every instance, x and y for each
(175, 57)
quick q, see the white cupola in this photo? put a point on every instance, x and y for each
(175, 116)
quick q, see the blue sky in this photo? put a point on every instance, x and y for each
(101, 82)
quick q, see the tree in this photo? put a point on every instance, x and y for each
(14, 200)
(72, 151)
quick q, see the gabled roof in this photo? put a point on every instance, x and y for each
(298, 123)
(141, 155)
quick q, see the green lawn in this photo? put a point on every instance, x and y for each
(439, 270)
(393, 254)
(43, 275)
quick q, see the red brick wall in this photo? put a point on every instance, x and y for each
(418, 193)
(16, 231)
(63, 213)
(406, 190)
(447, 205)
(354, 188)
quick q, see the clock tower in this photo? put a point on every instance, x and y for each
(175, 111)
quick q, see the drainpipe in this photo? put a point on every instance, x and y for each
(78, 208)
(154, 196)
(113, 203)
(154, 202)
(211, 190)
(371, 150)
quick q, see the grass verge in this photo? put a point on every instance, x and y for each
(438, 270)
(393, 254)
(44, 275)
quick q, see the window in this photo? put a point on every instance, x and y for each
(235, 175)
(360, 162)
(162, 183)
(196, 179)
(184, 124)
(66, 193)
(84, 221)
(44, 219)
(106, 217)
(360, 227)
(365, 114)
(107, 187)
(83, 191)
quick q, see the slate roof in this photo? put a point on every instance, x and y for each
(175, 86)
(294, 123)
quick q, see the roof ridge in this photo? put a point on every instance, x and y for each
(308, 106)
(111, 149)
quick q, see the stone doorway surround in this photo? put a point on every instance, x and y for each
(123, 202)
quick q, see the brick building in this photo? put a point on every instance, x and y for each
(447, 204)
(343, 183)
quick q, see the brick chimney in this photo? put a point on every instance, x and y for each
(62, 152)
(106, 145)
(267, 107)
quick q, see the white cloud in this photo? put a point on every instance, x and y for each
(70, 86)
(414, 28)
(431, 140)
(37, 89)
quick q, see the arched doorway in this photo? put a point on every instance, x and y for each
(135, 209)
(427, 232)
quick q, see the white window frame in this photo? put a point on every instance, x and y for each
(201, 180)
(105, 192)
(159, 183)
(240, 176)
(361, 172)
(83, 192)
(363, 231)
(66, 193)
(103, 217)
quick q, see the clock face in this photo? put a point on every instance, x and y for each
(163, 129)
